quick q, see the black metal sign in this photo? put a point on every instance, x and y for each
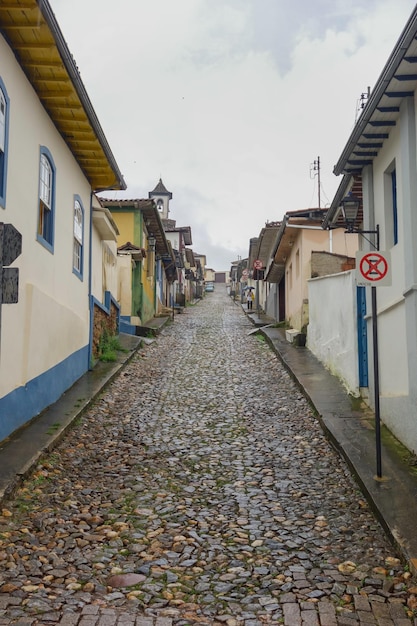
(10, 249)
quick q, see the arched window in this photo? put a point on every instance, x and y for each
(46, 199)
(78, 231)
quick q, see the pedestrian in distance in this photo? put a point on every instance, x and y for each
(250, 297)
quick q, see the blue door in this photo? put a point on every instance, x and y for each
(362, 336)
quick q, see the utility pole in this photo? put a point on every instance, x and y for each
(315, 167)
(361, 103)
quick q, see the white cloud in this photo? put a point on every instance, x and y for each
(230, 101)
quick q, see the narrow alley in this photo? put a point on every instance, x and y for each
(198, 489)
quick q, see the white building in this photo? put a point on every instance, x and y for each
(53, 157)
(382, 150)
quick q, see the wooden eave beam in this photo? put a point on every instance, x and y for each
(43, 63)
(12, 6)
(405, 77)
(388, 109)
(359, 162)
(377, 123)
(25, 45)
(371, 144)
(88, 140)
(50, 95)
(23, 25)
(87, 160)
(375, 135)
(38, 79)
(399, 94)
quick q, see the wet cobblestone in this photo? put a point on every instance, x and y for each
(198, 489)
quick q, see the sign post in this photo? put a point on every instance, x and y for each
(374, 269)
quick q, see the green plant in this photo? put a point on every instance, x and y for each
(53, 428)
(109, 346)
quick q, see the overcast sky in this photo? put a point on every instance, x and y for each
(230, 102)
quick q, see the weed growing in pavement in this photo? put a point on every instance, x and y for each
(109, 346)
(281, 325)
(53, 428)
(39, 480)
(52, 460)
(221, 482)
(399, 449)
(23, 506)
(124, 552)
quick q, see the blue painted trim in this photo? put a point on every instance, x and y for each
(26, 402)
(6, 145)
(362, 330)
(90, 279)
(79, 274)
(394, 206)
(108, 301)
(49, 245)
(125, 325)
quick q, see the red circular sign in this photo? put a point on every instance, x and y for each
(257, 264)
(373, 266)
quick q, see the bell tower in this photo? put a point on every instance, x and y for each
(161, 197)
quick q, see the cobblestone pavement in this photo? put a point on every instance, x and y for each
(198, 489)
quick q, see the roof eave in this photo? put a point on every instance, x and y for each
(407, 36)
(30, 27)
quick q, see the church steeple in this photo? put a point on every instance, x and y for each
(161, 196)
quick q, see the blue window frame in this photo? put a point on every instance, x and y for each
(4, 140)
(46, 212)
(78, 238)
(394, 206)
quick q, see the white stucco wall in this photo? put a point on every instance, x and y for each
(51, 320)
(396, 320)
(332, 304)
(104, 266)
(271, 302)
(174, 239)
(124, 284)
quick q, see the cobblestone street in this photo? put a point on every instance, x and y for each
(198, 489)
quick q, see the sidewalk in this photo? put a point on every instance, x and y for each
(351, 430)
(20, 453)
(393, 499)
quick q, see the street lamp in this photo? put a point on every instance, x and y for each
(349, 207)
(151, 243)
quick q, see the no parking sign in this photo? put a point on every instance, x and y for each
(373, 268)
